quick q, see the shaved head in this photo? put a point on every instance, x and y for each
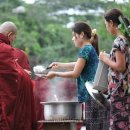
(7, 27)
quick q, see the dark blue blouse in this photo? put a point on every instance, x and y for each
(88, 53)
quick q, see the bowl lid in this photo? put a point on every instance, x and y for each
(96, 95)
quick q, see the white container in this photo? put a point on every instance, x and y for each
(83, 128)
(101, 77)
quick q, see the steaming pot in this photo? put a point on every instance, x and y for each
(62, 110)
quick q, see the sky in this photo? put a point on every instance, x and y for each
(32, 1)
(29, 1)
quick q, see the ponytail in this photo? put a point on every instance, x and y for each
(94, 40)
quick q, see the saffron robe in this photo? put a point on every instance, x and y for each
(22, 59)
(16, 96)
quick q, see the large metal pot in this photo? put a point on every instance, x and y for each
(62, 110)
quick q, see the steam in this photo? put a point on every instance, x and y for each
(57, 89)
(56, 97)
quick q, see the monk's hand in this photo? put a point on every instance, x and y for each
(28, 72)
(50, 75)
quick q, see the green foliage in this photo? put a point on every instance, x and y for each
(42, 33)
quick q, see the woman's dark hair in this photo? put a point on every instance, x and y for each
(114, 15)
(80, 27)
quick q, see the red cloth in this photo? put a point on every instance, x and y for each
(22, 59)
(16, 96)
(40, 92)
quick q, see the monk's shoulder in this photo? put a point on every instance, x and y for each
(5, 48)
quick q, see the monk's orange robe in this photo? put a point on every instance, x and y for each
(16, 96)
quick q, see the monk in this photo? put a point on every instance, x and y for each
(16, 96)
(22, 60)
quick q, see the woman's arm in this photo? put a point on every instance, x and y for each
(79, 65)
(60, 65)
(118, 65)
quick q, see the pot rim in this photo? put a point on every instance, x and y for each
(60, 102)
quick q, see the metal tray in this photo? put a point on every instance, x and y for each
(97, 96)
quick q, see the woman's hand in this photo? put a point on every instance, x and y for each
(119, 64)
(104, 57)
(50, 75)
(55, 65)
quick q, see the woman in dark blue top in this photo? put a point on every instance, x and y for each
(84, 70)
(88, 53)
